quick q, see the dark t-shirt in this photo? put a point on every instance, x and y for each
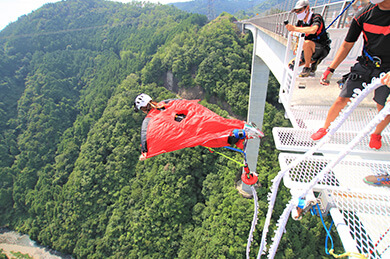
(316, 19)
(375, 25)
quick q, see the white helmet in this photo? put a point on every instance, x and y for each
(141, 100)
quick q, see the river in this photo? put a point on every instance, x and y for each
(11, 241)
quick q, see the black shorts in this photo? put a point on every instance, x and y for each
(320, 52)
(363, 74)
(381, 95)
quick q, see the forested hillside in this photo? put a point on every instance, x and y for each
(69, 139)
(219, 6)
(242, 9)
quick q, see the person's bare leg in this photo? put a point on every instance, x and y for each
(335, 109)
(308, 50)
(333, 112)
(382, 125)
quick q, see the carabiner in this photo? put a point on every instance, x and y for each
(377, 61)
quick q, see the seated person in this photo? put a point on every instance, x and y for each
(317, 43)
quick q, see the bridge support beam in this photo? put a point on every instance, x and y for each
(257, 97)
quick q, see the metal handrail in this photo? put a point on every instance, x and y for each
(329, 12)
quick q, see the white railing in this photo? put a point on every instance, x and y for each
(289, 76)
(329, 11)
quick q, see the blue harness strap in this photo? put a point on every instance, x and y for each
(375, 60)
(237, 150)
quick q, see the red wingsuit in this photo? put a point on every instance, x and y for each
(199, 127)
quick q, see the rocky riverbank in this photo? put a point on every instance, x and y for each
(11, 241)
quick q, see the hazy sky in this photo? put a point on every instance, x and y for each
(10, 10)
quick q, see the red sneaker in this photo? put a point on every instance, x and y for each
(375, 141)
(319, 134)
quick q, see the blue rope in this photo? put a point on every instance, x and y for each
(335, 19)
(338, 16)
(237, 150)
(326, 240)
(327, 231)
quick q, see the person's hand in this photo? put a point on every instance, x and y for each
(386, 79)
(290, 27)
(142, 157)
(326, 76)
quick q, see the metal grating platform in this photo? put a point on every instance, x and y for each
(347, 175)
(298, 140)
(368, 219)
(313, 117)
(365, 209)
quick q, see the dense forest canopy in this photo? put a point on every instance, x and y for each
(69, 139)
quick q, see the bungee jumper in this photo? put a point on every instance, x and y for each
(178, 123)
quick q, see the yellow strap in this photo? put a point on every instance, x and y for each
(347, 254)
(241, 164)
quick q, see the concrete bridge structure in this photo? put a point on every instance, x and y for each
(361, 212)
